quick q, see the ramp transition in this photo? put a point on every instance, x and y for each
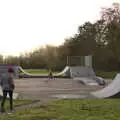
(63, 74)
(110, 91)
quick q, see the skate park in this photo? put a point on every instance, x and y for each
(65, 58)
(74, 82)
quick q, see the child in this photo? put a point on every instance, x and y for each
(7, 84)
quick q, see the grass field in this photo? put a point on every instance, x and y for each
(38, 71)
(107, 74)
(89, 109)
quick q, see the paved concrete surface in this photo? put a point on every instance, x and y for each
(38, 88)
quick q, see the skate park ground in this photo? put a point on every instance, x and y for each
(40, 89)
(44, 89)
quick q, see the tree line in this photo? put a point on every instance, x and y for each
(100, 39)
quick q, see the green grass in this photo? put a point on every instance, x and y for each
(107, 74)
(38, 71)
(84, 109)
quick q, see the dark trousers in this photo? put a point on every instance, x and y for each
(5, 92)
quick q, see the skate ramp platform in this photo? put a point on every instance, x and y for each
(86, 75)
(110, 91)
(80, 71)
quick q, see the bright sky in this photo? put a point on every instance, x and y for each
(28, 24)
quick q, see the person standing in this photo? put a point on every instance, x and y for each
(7, 85)
(51, 76)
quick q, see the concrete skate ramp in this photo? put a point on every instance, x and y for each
(65, 72)
(72, 71)
(86, 75)
(28, 75)
(80, 71)
(110, 91)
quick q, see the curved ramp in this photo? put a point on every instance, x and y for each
(111, 91)
(63, 74)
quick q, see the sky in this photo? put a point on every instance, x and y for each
(28, 24)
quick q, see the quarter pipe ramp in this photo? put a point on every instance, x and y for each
(110, 91)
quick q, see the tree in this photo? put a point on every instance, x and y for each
(111, 18)
(1, 59)
(83, 43)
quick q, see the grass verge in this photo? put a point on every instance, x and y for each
(106, 74)
(84, 109)
(38, 71)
